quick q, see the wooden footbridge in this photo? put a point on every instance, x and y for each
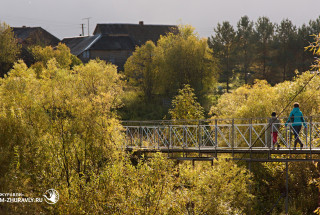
(240, 139)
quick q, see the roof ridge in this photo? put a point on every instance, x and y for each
(77, 37)
(88, 47)
(133, 24)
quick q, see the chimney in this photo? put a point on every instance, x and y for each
(141, 23)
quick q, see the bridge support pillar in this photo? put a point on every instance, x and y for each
(287, 190)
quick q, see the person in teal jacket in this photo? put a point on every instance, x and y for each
(296, 118)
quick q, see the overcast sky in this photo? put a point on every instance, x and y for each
(63, 18)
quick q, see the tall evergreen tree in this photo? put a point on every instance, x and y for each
(264, 31)
(303, 59)
(285, 37)
(223, 45)
(315, 26)
(245, 46)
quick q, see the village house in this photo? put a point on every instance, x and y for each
(32, 36)
(115, 42)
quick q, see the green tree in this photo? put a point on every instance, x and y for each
(285, 38)
(156, 72)
(177, 59)
(314, 26)
(141, 69)
(245, 46)
(223, 44)
(264, 31)
(304, 59)
(9, 48)
(184, 58)
(185, 105)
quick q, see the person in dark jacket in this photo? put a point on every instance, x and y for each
(296, 118)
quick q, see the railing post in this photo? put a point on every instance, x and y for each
(154, 137)
(250, 132)
(170, 141)
(232, 136)
(140, 134)
(287, 136)
(271, 134)
(287, 189)
(290, 134)
(185, 135)
(216, 132)
(199, 134)
(127, 137)
(266, 135)
(310, 137)
(306, 134)
(170, 135)
(158, 133)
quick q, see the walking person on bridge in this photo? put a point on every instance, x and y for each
(274, 124)
(296, 118)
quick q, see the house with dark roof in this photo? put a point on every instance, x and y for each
(114, 49)
(140, 33)
(32, 36)
(115, 42)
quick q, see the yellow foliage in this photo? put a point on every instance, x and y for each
(185, 105)
(61, 54)
(177, 59)
(261, 99)
(9, 48)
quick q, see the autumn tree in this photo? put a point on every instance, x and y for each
(9, 48)
(185, 105)
(141, 69)
(259, 100)
(219, 189)
(62, 123)
(178, 59)
(61, 54)
(60, 130)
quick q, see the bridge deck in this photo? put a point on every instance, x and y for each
(210, 154)
(210, 150)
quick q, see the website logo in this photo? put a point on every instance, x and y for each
(51, 196)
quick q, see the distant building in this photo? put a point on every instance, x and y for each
(32, 36)
(114, 49)
(140, 33)
(115, 42)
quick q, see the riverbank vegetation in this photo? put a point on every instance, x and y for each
(60, 123)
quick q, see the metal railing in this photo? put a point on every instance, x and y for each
(220, 133)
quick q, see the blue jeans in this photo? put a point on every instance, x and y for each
(296, 131)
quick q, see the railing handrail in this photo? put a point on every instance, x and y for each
(180, 121)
